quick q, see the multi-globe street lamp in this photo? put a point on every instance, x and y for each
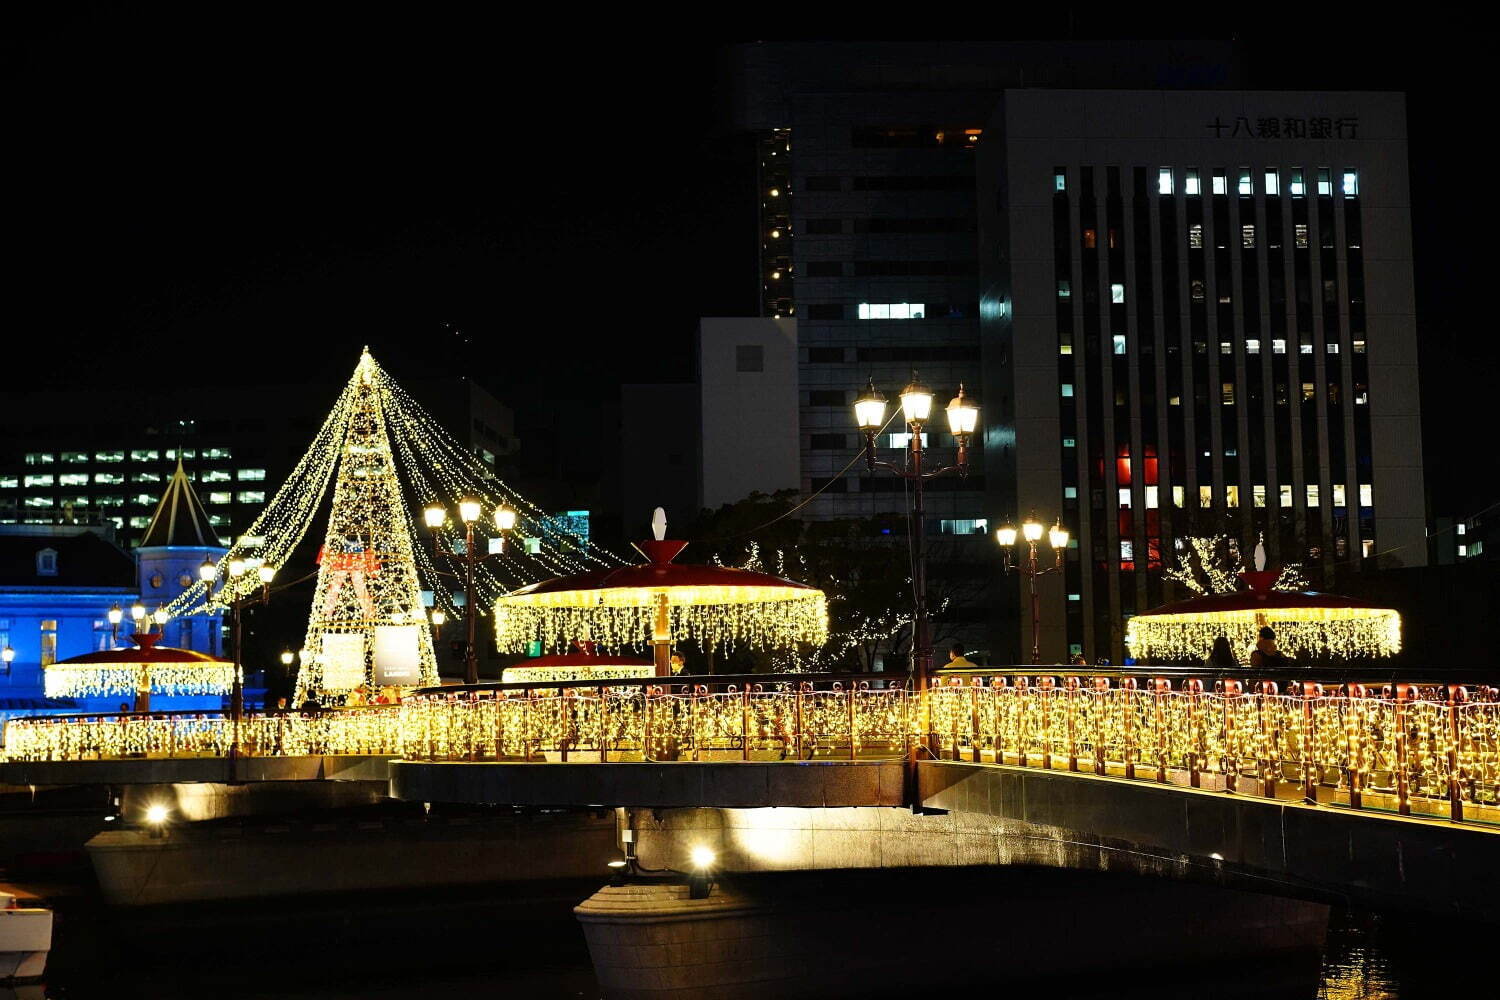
(238, 568)
(1031, 533)
(916, 408)
(469, 512)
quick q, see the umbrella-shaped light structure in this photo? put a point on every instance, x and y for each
(660, 601)
(586, 664)
(1306, 623)
(137, 671)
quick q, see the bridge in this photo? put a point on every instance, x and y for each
(1376, 790)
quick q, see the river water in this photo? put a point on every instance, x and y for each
(457, 946)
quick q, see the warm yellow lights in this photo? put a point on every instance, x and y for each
(1057, 535)
(91, 680)
(116, 615)
(160, 616)
(535, 675)
(963, 414)
(1006, 535)
(1346, 633)
(266, 574)
(435, 516)
(237, 568)
(156, 814)
(287, 656)
(1031, 530)
(505, 517)
(869, 409)
(137, 612)
(703, 857)
(207, 570)
(469, 510)
(916, 402)
(439, 617)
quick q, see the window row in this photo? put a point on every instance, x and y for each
(115, 478)
(1244, 184)
(137, 499)
(118, 455)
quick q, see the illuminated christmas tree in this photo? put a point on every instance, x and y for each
(367, 626)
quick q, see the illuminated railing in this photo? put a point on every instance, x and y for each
(373, 730)
(1420, 748)
(746, 717)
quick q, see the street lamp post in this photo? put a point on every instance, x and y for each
(1031, 532)
(469, 511)
(916, 408)
(237, 568)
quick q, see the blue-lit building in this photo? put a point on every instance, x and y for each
(58, 583)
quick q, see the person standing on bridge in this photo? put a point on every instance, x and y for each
(957, 660)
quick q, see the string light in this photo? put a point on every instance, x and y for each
(1347, 633)
(64, 680)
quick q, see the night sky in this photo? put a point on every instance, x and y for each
(250, 195)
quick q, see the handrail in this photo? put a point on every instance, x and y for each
(653, 681)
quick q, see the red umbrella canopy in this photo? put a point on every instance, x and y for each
(1305, 622)
(167, 670)
(715, 605)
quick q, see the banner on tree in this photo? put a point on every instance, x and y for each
(343, 657)
(397, 656)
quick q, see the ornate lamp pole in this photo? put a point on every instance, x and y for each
(916, 407)
(1031, 530)
(237, 568)
(468, 512)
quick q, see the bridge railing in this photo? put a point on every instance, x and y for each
(1407, 747)
(740, 717)
(106, 735)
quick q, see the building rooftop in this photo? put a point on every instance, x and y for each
(180, 519)
(64, 559)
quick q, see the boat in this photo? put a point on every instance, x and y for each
(25, 940)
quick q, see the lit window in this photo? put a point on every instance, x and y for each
(1064, 348)
(1286, 496)
(75, 457)
(73, 479)
(1190, 183)
(39, 458)
(1226, 393)
(186, 454)
(1309, 392)
(39, 480)
(1462, 528)
(1059, 179)
(1312, 494)
(40, 502)
(109, 478)
(215, 475)
(109, 456)
(1221, 183)
(1127, 550)
(1258, 496)
(1226, 347)
(49, 641)
(1070, 493)
(75, 500)
(1090, 239)
(1301, 236)
(1338, 494)
(145, 455)
(1153, 497)
(145, 477)
(1119, 343)
(1195, 236)
(1332, 348)
(1117, 294)
(1278, 346)
(1125, 498)
(1244, 182)
(1174, 400)
(110, 501)
(1463, 550)
(144, 499)
(1231, 496)
(216, 453)
(1325, 182)
(1252, 346)
(964, 526)
(1067, 389)
(250, 475)
(1164, 180)
(1273, 182)
(1075, 597)
(251, 496)
(892, 310)
(1366, 495)
(1179, 496)
(1305, 347)
(1070, 442)
(1298, 189)
(902, 439)
(1359, 347)
(1205, 496)
(1351, 184)
(1247, 237)
(1064, 290)
(139, 522)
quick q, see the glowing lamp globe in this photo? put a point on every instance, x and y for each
(869, 409)
(505, 517)
(287, 657)
(468, 511)
(439, 617)
(116, 615)
(963, 415)
(1006, 535)
(267, 574)
(1031, 530)
(207, 570)
(137, 611)
(7, 654)
(1058, 536)
(434, 516)
(161, 617)
(236, 568)
(916, 403)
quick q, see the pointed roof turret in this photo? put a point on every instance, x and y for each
(180, 519)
